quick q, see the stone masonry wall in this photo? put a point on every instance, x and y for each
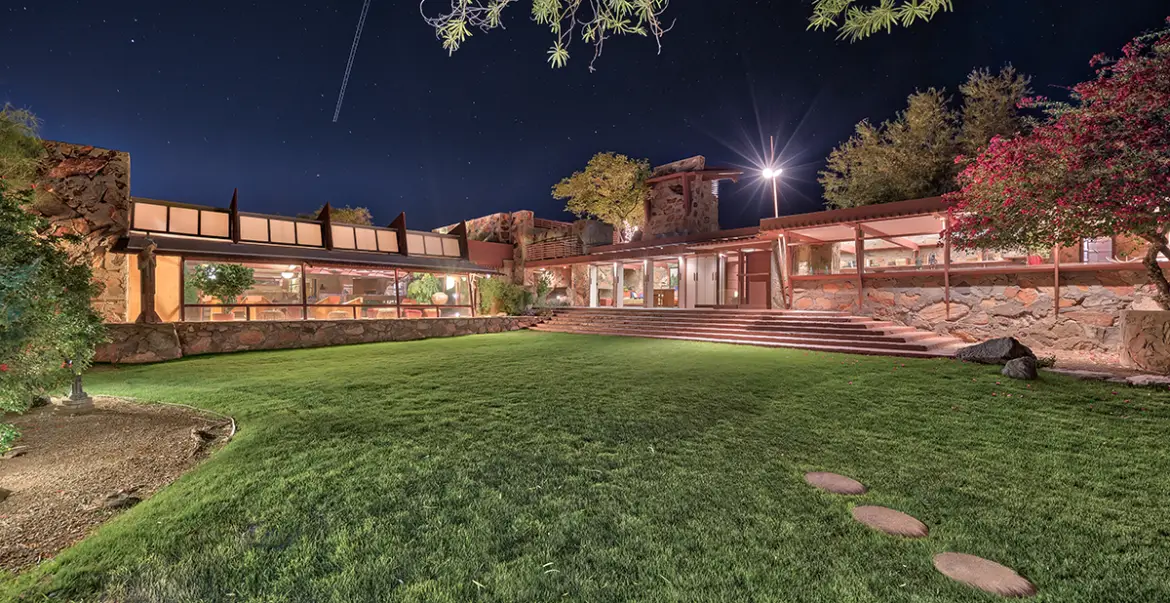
(137, 344)
(669, 213)
(1001, 305)
(86, 191)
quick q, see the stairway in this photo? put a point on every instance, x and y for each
(802, 329)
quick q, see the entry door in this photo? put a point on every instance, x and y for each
(706, 280)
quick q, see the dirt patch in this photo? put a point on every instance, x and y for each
(71, 473)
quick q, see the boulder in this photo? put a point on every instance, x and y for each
(995, 351)
(1020, 368)
(4, 494)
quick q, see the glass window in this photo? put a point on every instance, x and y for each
(427, 289)
(269, 284)
(1097, 250)
(328, 285)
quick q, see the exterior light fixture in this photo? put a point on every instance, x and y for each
(287, 274)
(773, 174)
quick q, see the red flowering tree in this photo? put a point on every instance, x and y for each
(1099, 167)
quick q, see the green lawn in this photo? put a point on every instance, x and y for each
(538, 467)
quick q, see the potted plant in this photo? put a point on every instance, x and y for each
(225, 282)
(426, 289)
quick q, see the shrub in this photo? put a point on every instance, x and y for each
(500, 294)
(46, 320)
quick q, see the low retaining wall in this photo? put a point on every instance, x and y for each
(985, 306)
(139, 344)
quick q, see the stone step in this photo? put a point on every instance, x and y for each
(747, 336)
(847, 321)
(803, 330)
(799, 346)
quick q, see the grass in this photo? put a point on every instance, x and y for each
(533, 467)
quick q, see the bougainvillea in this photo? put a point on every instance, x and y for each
(1096, 168)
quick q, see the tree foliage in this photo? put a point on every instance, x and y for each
(344, 215)
(225, 282)
(20, 148)
(1096, 168)
(498, 294)
(596, 21)
(612, 188)
(857, 19)
(46, 319)
(913, 155)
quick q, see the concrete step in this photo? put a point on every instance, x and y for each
(763, 320)
(809, 330)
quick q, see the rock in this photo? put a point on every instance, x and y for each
(832, 482)
(995, 351)
(1020, 368)
(1148, 380)
(201, 436)
(1079, 374)
(4, 494)
(895, 523)
(14, 452)
(120, 500)
(985, 575)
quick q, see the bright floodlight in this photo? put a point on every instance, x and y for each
(768, 173)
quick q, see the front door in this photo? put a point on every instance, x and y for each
(706, 279)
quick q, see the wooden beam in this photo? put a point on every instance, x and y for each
(947, 265)
(399, 224)
(326, 220)
(804, 238)
(899, 241)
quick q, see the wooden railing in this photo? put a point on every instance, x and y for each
(551, 249)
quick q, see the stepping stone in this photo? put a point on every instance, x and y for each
(895, 523)
(985, 575)
(831, 482)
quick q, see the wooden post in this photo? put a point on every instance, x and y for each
(619, 285)
(789, 262)
(947, 265)
(859, 252)
(399, 224)
(146, 265)
(461, 232)
(233, 216)
(326, 219)
(1056, 281)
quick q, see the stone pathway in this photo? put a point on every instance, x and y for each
(983, 574)
(837, 484)
(894, 523)
(977, 572)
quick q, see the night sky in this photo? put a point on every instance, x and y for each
(208, 96)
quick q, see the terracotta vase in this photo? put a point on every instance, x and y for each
(439, 299)
(222, 316)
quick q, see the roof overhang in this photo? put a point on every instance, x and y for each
(888, 221)
(227, 250)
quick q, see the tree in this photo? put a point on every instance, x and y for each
(612, 189)
(225, 282)
(859, 22)
(913, 155)
(46, 320)
(601, 19)
(1098, 167)
(20, 149)
(345, 215)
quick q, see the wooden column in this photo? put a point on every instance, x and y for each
(859, 252)
(648, 284)
(789, 262)
(947, 265)
(683, 278)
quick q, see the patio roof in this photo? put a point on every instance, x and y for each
(889, 221)
(657, 247)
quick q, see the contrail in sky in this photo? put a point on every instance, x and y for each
(357, 37)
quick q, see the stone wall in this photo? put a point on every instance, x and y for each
(1145, 340)
(86, 191)
(136, 344)
(670, 214)
(985, 306)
